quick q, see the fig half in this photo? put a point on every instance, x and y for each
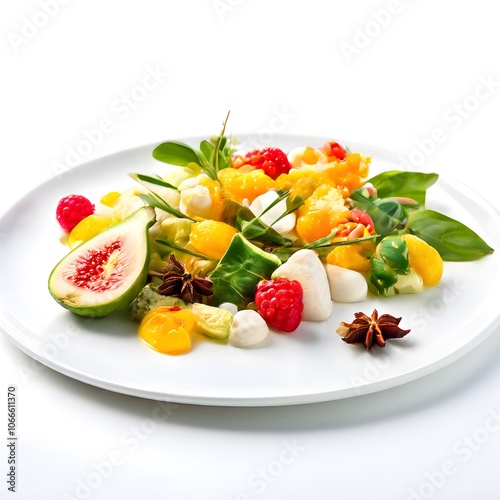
(105, 273)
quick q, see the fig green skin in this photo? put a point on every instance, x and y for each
(127, 295)
(110, 307)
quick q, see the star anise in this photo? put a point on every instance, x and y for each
(367, 330)
(177, 282)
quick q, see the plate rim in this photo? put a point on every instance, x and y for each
(311, 397)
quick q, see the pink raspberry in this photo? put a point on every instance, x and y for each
(72, 209)
(279, 302)
(273, 161)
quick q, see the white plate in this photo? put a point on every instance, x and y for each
(310, 365)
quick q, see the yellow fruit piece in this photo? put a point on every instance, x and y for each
(424, 259)
(213, 322)
(311, 156)
(239, 185)
(211, 238)
(110, 199)
(217, 195)
(348, 174)
(302, 182)
(306, 157)
(168, 329)
(86, 228)
(320, 223)
(324, 197)
(355, 256)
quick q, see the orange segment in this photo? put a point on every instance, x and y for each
(86, 228)
(239, 185)
(168, 329)
(348, 174)
(355, 256)
(320, 223)
(425, 259)
(211, 238)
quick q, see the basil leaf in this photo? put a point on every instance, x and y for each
(223, 141)
(386, 214)
(405, 184)
(207, 148)
(453, 240)
(177, 153)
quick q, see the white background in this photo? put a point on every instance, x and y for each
(407, 76)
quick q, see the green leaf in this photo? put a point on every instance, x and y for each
(403, 184)
(178, 153)
(152, 180)
(393, 250)
(389, 261)
(382, 277)
(326, 241)
(230, 211)
(207, 148)
(253, 228)
(213, 155)
(453, 240)
(157, 201)
(387, 214)
(154, 199)
(293, 204)
(322, 249)
(240, 269)
(172, 245)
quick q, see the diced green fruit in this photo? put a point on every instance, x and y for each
(409, 283)
(147, 299)
(394, 252)
(213, 321)
(388, 264)
(176, 230)
(239, 270)
(106, 272)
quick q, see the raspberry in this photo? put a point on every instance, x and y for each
(279, 302)
(273, 161)
(72, 209)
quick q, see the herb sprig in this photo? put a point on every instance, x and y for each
(212, 156)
